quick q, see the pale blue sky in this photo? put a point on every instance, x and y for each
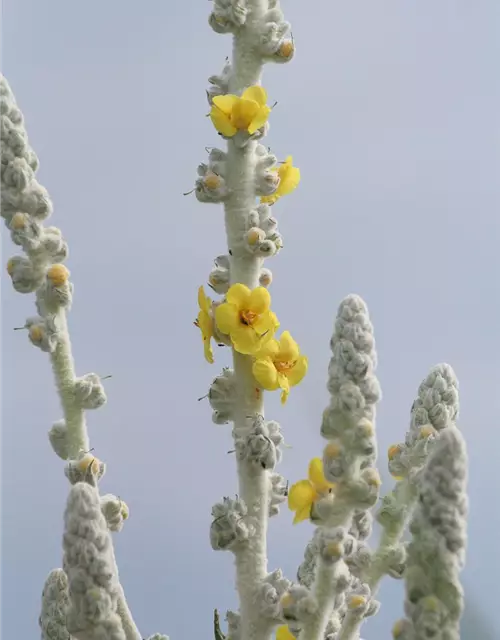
(391, 111)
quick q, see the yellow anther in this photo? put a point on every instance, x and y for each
(393, 451)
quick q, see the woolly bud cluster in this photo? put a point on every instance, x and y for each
(89, 392)
(230, 527)
(262, 237)
(436, 553)
(259, 446)
(55, 604)
(211, 185)
(269, 594)
(56, 291)
(276, 42)
(89, 564)
(228, 15)
(435, 408)
(278, 493)
(297, 605)
(43, 332)
(233, 620)
(219, 277)
(306, 570)
(266, 175)
(115, 511)
(85, 468)
(221, 397)
(219, 83)
(20, 191)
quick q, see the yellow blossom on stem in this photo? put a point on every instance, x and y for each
(279, 365)
(246, 317)
(289, 180)
(303, 494)
(204, 323)
(283, 633)
(248, 112)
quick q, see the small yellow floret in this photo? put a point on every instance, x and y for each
(255, 235)
(211, 181)
(124, 511)
(393, 451)
(334, 550)
(356, 601)
(36, 332)
(366, 427)
(426, 431)
(286, 49)
(332, 450)
(372, 478)
(286, 601)
(10, 266)
(397, 629)
(58, 274)
(89, 461)
(18, 221)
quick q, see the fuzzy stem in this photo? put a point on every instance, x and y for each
(325, 593)
(251, 560)
(64, 372)
(391, 536)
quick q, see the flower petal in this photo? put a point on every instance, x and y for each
(245, 340)
(300, 495)
(203, 301)
(289, 181)
(260, 300)
(256, 93)
(298, 371)
(267, 323)
(259, 119)
(289, 349)
(283, 633)
(222, 122)
(265, 373)
(207, 348)
(227, 318)
(317, 476)
(244, 111)
(302, 514)
(239, 295)
(225, 103)
(268, 349)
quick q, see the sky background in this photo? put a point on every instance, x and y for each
(390, 110)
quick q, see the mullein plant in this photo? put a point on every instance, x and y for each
(336, 584)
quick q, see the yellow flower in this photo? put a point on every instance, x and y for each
(289, 181)
(246, 317)
(249, 112)
(283, 633)
(58, 274)
(305, 493)
(279, 365)
(204, 322)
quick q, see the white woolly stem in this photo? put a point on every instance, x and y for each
(350, 626)
(391, 536)
(251, 560)
(325, 594)
(64, 372)
(128, 624)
